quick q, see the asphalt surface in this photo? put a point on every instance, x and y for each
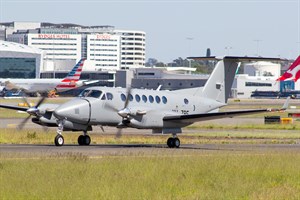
(23, 151)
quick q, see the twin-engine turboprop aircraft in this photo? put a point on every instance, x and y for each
(165, 112)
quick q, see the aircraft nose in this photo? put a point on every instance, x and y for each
(77, 110)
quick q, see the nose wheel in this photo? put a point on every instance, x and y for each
(59, 140)
(173, 142)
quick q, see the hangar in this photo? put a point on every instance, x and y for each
(19, 61)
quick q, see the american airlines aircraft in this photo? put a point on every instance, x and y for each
(71, 81)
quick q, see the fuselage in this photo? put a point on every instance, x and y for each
(145, 108)
(39, 85)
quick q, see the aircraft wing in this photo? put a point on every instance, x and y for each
(90, 82)
(218, 115)
(210, 116)
(14, 107)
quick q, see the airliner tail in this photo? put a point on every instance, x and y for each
(293, 73)
(69, 82)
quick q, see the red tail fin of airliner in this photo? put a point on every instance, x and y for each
(293, 73)
(69, 82)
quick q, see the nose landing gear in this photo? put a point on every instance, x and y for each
(59, 139)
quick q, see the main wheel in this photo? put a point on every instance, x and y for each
(80, 140)
(170, 142)
(59, 140)
(176, 142)
(86, 140)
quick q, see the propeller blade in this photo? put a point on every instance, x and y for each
(128, 94)
(45, 128)
(110, 107)
(25, 101)
(40, 102)
(22, 124)
(119, 133)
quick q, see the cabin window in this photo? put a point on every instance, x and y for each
(144, 98)
(137, 98)
(130, 97)
(151, 99)
(123, 97)
(164, 99)
(103, 97)
(157, 99)
(186, 101)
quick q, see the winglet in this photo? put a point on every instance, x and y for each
(286, 104)
(158, 88)
(284, 107)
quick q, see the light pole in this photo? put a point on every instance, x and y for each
(189, 39)
(257, 46)
(227, 50)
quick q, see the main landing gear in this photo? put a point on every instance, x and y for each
(84, 139)
(173, 142)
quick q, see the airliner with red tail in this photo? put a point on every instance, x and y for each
(293, 73)
(71, 81)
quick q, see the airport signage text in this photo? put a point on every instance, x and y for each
(103, 37)
(54, 36)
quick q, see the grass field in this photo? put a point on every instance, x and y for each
(177, 175)
(161, 174)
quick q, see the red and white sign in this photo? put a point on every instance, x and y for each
(103, 37)
(54, 36)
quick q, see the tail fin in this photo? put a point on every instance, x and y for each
(69, 82)
(293, 73)
(218, 86)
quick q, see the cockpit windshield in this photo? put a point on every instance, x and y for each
(90, 93)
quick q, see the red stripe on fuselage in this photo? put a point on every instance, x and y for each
(65, 86)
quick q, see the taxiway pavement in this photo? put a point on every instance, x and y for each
(22, 150)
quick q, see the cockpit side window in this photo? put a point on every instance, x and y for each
(109, 96)
(95, 93)
(84, 93)
(90, 93)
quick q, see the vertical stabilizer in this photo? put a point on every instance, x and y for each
(69, 82)
(293, 73)
(218, 86)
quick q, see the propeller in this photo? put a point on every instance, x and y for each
(124, 112)
(32, 110)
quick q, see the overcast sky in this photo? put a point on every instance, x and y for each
(180, 28)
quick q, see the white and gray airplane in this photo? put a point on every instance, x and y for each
(165, 112)
(71, 81)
